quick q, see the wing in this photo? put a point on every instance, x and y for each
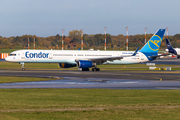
(104, 59)
(159, 55)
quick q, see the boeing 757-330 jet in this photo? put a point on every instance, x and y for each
(86, 59)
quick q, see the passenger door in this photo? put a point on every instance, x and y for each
(23, 55)
(50, 55)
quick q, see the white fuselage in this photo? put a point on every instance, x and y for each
(178, 51)
(69, 56)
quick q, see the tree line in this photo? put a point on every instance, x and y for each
(73, 41)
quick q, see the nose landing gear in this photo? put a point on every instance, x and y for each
(22, 66)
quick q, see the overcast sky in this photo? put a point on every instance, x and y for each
(48, 17)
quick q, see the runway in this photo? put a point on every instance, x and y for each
(71, 82)
(104, 79)
(170, 60)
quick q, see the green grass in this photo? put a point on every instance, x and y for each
(11, 79)
(97, 104)
(17, 66)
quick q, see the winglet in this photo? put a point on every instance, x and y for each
(135, 52)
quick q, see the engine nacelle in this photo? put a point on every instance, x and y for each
(85, 64)
(66, 65)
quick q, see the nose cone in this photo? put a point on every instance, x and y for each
(7, 58)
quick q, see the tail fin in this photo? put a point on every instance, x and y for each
(152, 46)
(170, 48)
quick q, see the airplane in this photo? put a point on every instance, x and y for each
(85, 59)
(170, 49)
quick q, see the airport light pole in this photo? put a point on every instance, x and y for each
(62, 39)
(167, 32)
(126, 38)
(28, 42)
(34, 42)
(145, 36)
(105, 40)
(81, 39)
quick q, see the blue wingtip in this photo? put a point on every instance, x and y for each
(135, 52)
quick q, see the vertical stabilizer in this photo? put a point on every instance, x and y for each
(152, 46)
(170, 48)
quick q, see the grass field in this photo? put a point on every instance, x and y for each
(98, 104)
(11, 79)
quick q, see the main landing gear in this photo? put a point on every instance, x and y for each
(95, 69)
(22, 66)
(87, 69)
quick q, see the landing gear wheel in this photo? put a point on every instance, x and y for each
(95, 69)
(22, 66)
(85, 69)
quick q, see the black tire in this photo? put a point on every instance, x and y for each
(85, 69)
(23, 69)
(97, 69)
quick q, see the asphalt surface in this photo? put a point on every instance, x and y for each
(96, 83)
(102, 79)
(107, 80)
(171, 61)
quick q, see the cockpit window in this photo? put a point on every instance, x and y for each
(12, 54)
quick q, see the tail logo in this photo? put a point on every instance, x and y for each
(154, 43)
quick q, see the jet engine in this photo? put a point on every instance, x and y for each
(66, 65)
(85, 64)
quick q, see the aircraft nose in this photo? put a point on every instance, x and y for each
(7, 58)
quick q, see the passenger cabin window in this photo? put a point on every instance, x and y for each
(62, 54)
(12, 54)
